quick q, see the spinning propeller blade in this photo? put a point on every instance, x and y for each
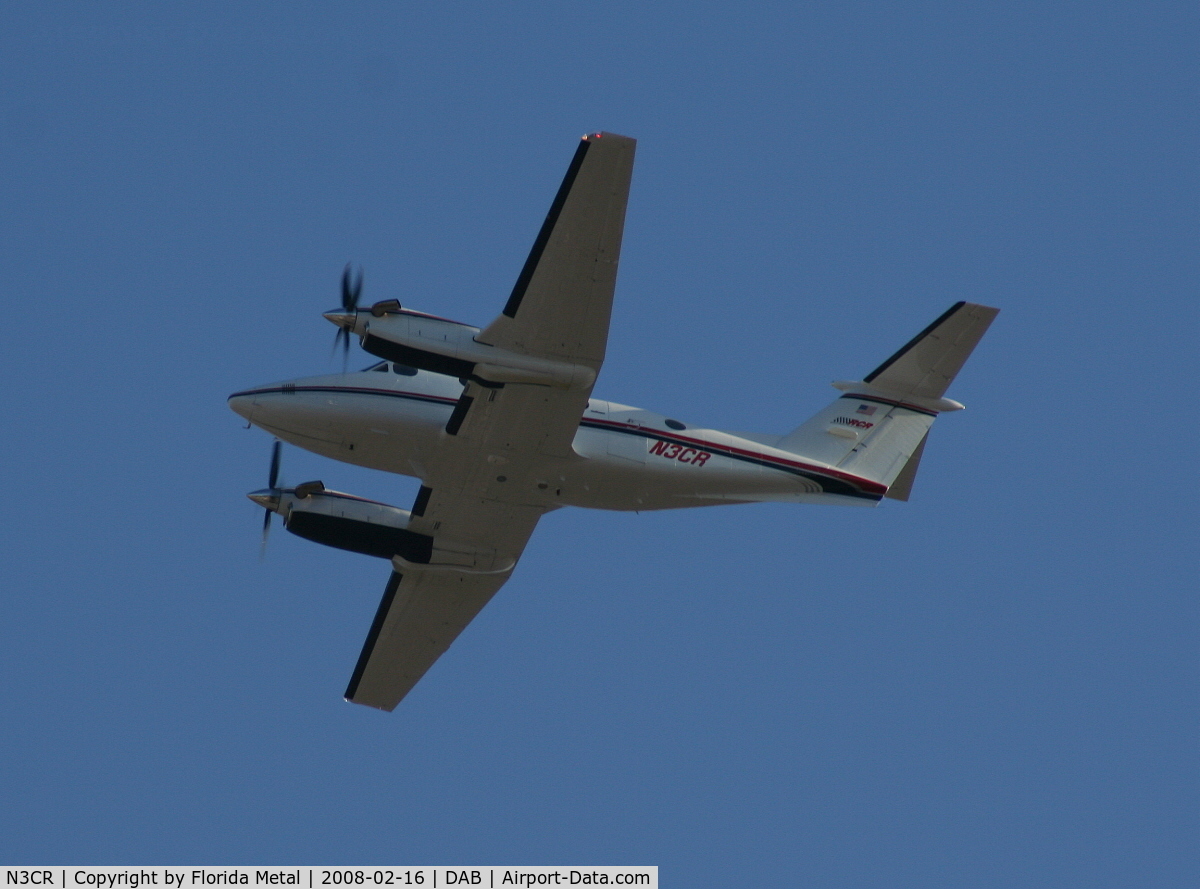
(351, 291)
(273, 475)
(272, 478)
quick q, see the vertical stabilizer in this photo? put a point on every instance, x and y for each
(878, 429)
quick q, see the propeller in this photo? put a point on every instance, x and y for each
(269, 498)
(351, 291)
(272, 478)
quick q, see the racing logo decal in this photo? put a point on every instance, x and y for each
(674, 451)
(850, 421)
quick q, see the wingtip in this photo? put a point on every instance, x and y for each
(382, 708)
(612, 137)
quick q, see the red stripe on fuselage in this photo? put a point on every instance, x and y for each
(864, 484)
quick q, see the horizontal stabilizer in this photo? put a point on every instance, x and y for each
(927, 364)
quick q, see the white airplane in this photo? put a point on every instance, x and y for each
(499, 425)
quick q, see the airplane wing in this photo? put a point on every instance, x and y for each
(420, 615)
(492, 479)
(560, 305)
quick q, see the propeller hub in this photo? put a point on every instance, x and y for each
(343, 318)
(267, 498)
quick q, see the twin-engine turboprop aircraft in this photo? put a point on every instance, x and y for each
(499, 425)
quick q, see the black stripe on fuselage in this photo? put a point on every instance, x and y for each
(350, 390)
(385, 605)
(543, 238)
(828, 485)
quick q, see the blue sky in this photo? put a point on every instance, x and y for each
(991, 685)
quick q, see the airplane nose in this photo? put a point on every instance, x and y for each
(242, 404)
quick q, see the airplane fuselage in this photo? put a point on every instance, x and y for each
(624, 458)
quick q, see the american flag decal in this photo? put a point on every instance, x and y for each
(865, 409)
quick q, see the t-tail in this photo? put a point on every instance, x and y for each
(877, 430)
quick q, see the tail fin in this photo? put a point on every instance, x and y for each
(878, 429)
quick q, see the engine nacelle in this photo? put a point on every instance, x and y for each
(448, 347)
(366, 526)
(352, 523)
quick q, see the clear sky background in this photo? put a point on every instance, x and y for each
(991, 685)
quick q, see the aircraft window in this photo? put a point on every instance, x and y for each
(675, 424)
(404, 370)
